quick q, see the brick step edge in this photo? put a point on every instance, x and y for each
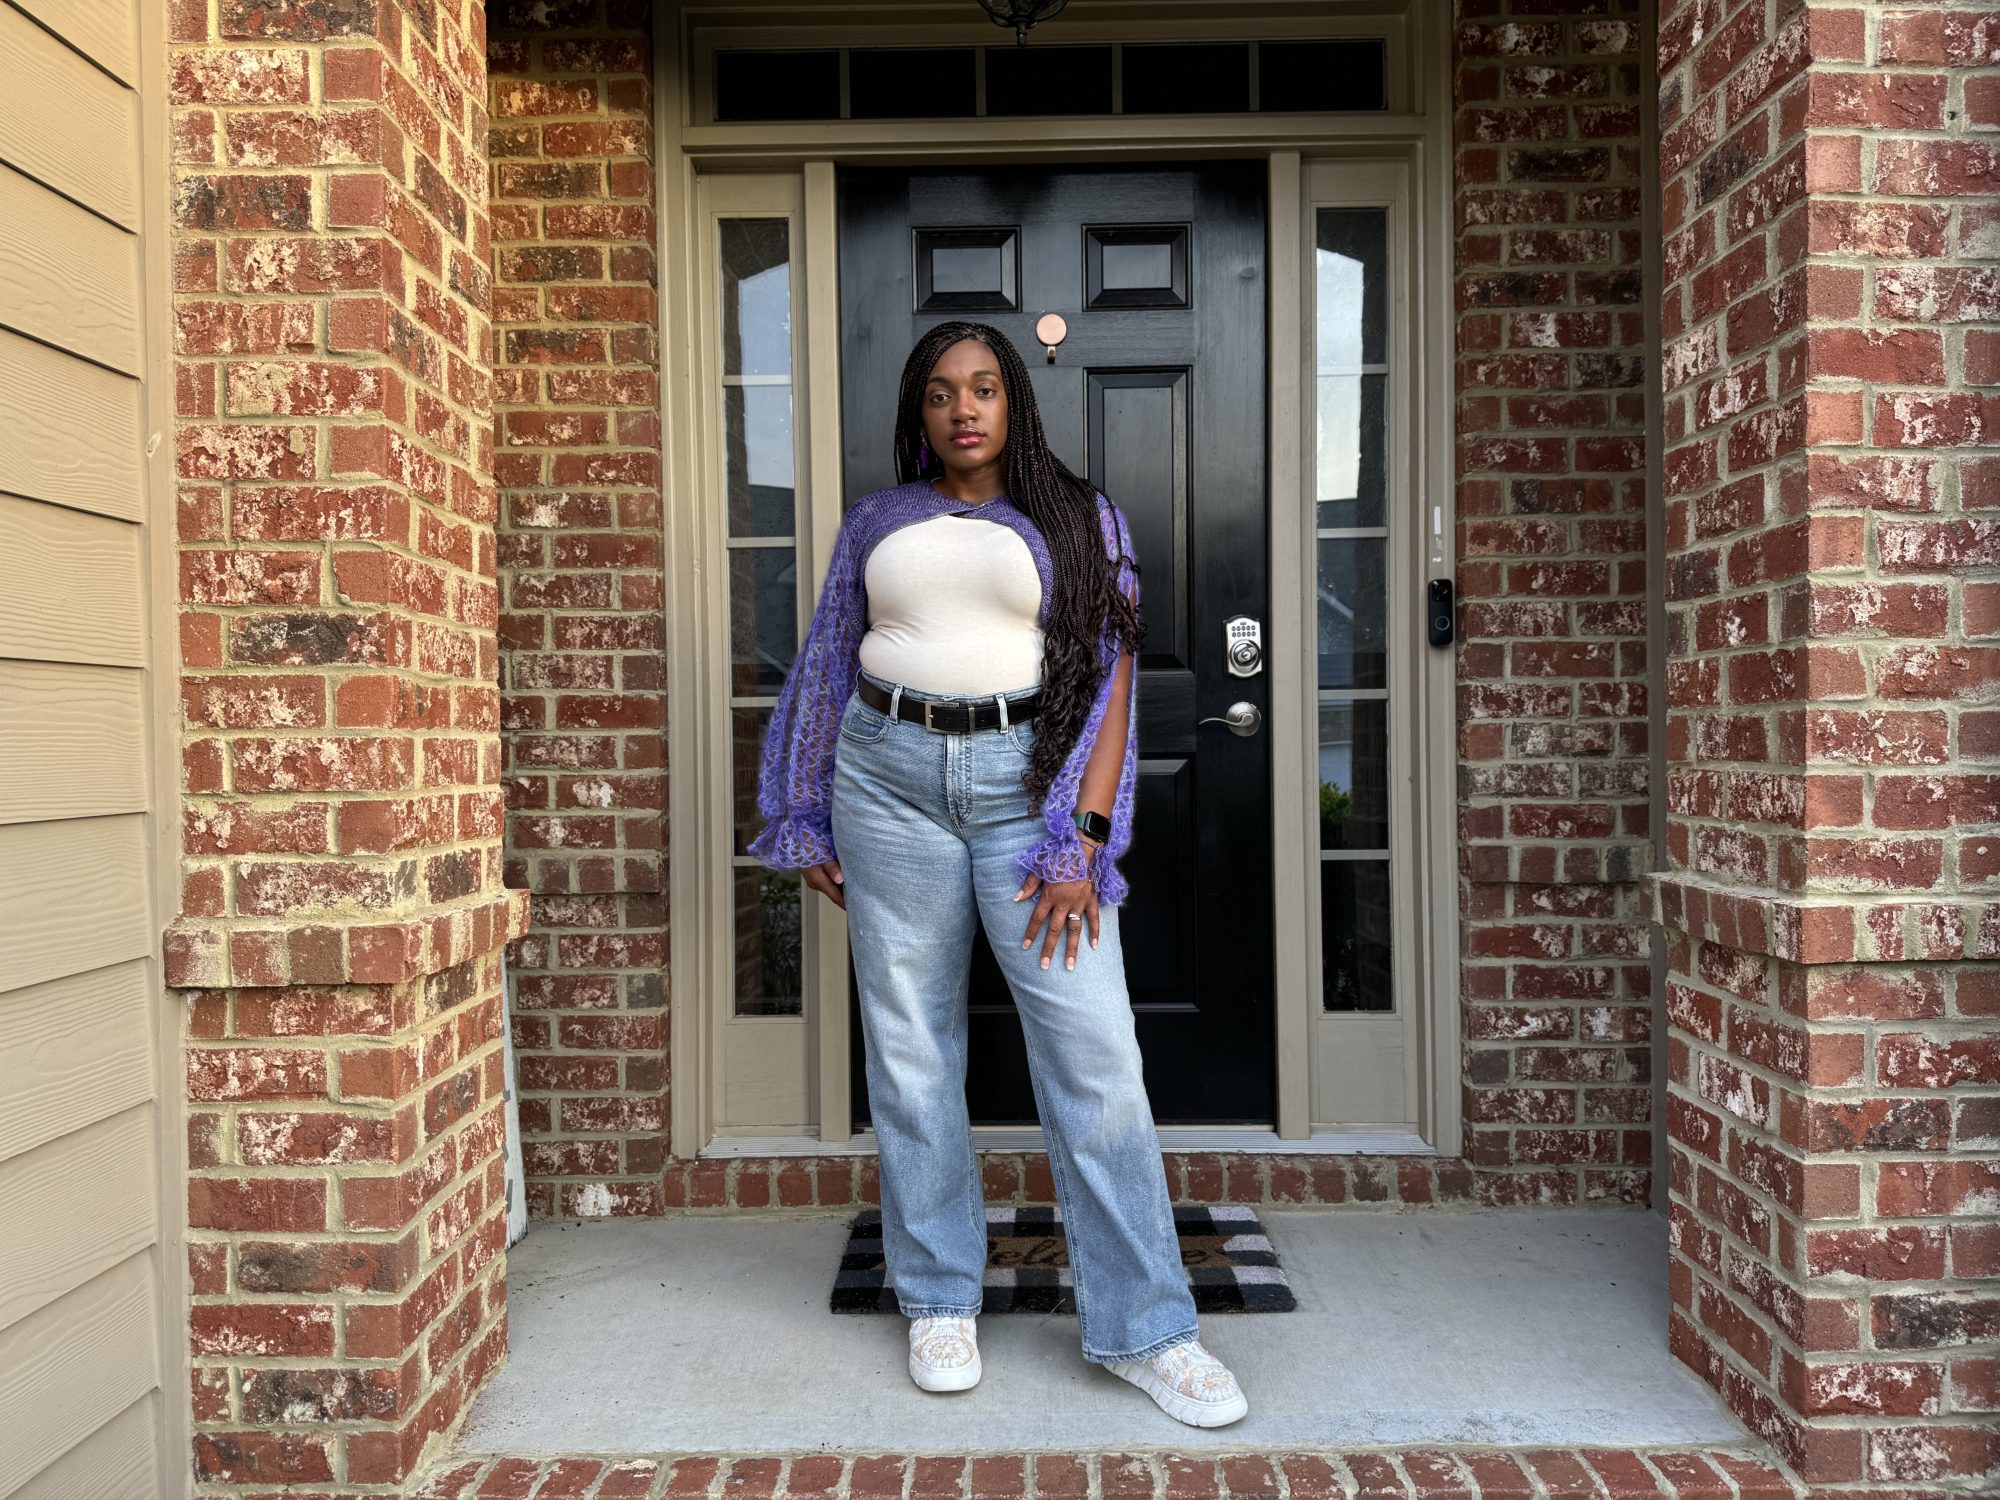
(1431, 1472)
(727, 1185)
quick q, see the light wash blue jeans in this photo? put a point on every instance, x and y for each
(927, 826)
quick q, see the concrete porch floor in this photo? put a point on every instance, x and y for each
(707, 1334)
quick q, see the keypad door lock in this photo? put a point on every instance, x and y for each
(1243, 645)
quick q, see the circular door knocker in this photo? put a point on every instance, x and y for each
(1051, 330)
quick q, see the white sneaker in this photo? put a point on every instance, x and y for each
(1190, 1384)
(944, 1353)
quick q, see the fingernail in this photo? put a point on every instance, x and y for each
(1045, 963)
(1071, 964)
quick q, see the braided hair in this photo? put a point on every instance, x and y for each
(1064, 509)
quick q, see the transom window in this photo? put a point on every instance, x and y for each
(1324, 75)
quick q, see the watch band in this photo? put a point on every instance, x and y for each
(1093, 825)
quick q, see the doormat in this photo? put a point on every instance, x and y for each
(1230, 1264)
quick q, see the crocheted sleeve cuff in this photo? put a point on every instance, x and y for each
(1057, 857)
(1067, 857)
(795, 841)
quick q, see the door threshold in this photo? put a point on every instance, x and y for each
(1206, 1138)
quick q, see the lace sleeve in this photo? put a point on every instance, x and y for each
(795, 781)
(1062, 854)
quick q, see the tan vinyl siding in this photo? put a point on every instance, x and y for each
(77, 440)
(89, 1271)
(121, 1462)
(66, 123)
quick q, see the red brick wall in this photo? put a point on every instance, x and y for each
(1552, 715)
(1827, 206)
(341, 902)
(582, 621)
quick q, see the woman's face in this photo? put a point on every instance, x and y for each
(965, 407)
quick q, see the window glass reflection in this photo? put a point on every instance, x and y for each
(1352, 459)
(1354, 934)
(1350, 266)
(1048, 80)
(757, 449)
(756, 297)
(1350, 73)
(758, 469)
(772, 84)
(746, 747)
(1352, 269)
(769, 974)
(909, 83)
(763, 617)
(1354, 774)
(1186, 78)
(1353, 613)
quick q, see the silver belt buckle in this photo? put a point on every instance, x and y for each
(929, 703)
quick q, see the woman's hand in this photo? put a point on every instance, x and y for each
(1058, 899)
(825, 879)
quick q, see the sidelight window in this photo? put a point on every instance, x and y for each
(1350, 489)
(762, 587)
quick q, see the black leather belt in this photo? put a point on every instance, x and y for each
(950, 715)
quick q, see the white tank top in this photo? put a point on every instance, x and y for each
(954, 606)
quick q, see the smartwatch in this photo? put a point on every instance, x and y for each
(1093, 825)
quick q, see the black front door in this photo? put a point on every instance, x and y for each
(1157, 395)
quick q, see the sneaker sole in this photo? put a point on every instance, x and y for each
(931, 1379)
(1183, 1408)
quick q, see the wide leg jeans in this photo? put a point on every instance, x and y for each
(927, 826)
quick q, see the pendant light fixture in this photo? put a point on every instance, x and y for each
(1022, 15)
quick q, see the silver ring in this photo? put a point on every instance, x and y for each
(1076, 916)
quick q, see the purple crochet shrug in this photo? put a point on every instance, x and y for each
(795, 786)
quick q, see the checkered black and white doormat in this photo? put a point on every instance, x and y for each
(1228, 1257)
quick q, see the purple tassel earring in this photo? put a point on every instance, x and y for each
(923, 454)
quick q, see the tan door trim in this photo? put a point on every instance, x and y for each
(1294, 732)
(827, 1006)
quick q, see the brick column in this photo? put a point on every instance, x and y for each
(1552, 731)
(342, 905)
(582, 626)
(1828, 204)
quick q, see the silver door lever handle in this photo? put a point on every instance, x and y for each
(1242, 718)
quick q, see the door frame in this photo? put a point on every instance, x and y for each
(1418, 138)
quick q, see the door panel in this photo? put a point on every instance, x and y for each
(1158, 396)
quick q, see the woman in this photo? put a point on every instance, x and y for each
(959, 726)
